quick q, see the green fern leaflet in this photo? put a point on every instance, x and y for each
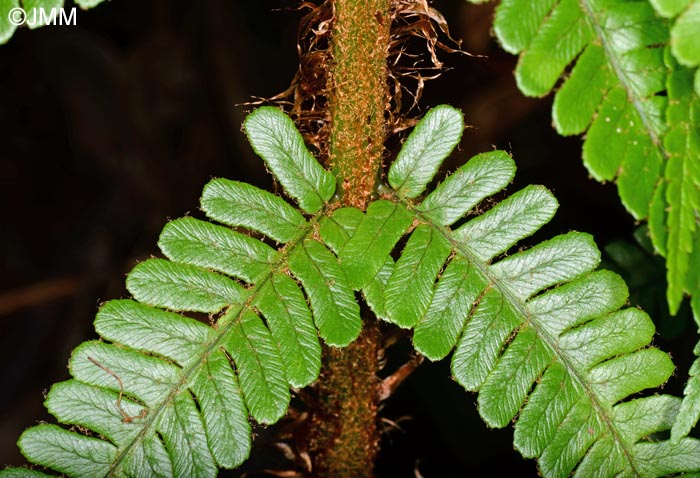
(538, 333)
(616, 93)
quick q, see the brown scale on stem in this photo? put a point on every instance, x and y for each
(417, 32)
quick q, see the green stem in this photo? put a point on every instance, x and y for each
(358, 94)
(344, 438)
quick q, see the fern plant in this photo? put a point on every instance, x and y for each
(542, 335)
(538, 333)
(636, 105)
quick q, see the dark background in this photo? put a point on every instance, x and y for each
(111, 127)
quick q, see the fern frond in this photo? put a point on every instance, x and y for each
(612, 92)
(682, 189)
(538, 332)
(615, 94)
(162, 394)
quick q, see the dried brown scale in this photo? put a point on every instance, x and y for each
(411, 20)
(306, 98)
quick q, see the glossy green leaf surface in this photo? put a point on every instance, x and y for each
(23, 473)
(251, 346)
(335, 311)
(685, 42)
(683, 180)
(409, 289)
(284, 307)
(69, 453)
(275, 138)
(191, 241)
(456, 291)
(689, 412)
(564, 33)
(684, 36)
(670, 8)
(217, 390)
(426, 147)
(466, 187)
(515, 218)
(170, 285)
(336, 229)
(365, 253)
(144, 328)
(242, 205)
